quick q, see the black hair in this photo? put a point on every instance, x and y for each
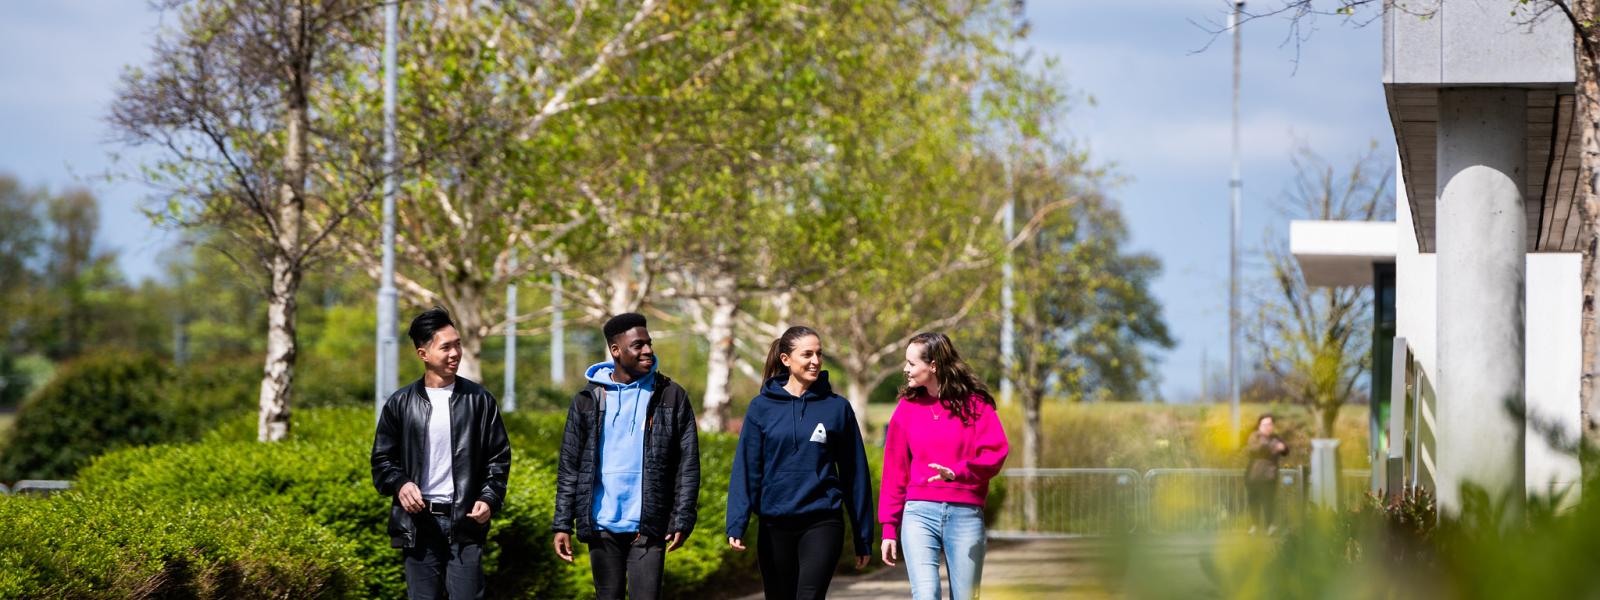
(428, 323)
(784, 345)
(622, 323)
(1263, 417)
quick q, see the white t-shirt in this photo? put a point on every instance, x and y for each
(437, 483)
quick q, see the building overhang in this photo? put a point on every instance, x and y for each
(1341, 253)
(1429, 46)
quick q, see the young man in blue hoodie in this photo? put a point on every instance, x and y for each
(629, 472)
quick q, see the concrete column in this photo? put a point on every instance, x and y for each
(1481, 242)
(1325, 473)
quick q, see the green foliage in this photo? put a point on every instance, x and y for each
(110, 401)
(113, 545)
(322, 472)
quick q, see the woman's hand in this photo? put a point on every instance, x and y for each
(891, 551)
(944, 472)
(736, 544)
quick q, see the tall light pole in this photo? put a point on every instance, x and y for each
(387, 375)
(558, 334)
(1008, 332)
(508, 402)
(1236, 185)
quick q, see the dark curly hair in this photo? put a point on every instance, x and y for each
(957, 383)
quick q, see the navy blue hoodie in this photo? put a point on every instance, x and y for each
(801, 456)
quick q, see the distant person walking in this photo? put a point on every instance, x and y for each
(1264, 449)
(800, 461)
(943, 445)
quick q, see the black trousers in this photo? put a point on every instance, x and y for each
(436, 568)
(627, 563)
(798, 554)
(1261, 498)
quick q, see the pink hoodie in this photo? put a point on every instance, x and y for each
(922, 432)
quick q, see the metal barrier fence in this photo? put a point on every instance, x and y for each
(36, 487)
(1098, 502)
(1068, 501)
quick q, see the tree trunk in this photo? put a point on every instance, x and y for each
(719, 365)
(1032, 451)
(857, 393)
(277, 381)
(621, 279)
(1588, 117)
(467, 313)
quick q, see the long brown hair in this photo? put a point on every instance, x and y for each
(957, 383)
(785, 345)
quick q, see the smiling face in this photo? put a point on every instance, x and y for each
(442, 354)
(632, 352)
(804, 360)
(919, 372)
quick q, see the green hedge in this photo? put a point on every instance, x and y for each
(323, 473)
(111, 401)
(301, 519)
(107, 545)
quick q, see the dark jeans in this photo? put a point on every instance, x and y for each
(435, 566)
(798, 554)
(627, 563)
(1261, 498)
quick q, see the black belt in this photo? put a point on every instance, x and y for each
(440, 508)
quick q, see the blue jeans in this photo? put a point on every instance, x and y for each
(931, 531)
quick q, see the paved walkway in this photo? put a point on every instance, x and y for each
(1048, 568)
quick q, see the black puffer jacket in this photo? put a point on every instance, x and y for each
(670, 483)
(481, 455)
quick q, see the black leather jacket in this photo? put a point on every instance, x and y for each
(481, 455)
(670, 483)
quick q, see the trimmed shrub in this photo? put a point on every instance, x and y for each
(111, 401)
(115, 546)
(323, 473)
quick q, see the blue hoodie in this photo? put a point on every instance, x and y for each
(616, 502)
(801, 456)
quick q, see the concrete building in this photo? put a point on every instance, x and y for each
(1477, 291)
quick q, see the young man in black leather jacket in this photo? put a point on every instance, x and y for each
(441, 452)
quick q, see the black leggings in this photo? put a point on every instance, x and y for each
(798, 554)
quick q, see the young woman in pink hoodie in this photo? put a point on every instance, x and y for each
(943, 445)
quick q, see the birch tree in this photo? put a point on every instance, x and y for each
(226, 104)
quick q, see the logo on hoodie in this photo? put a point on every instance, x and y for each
(819, 434)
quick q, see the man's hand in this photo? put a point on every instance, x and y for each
(675, 540)
(861, 561)
(944, 473)
(890, 552)
(411, 498)
(480, 512)
(563, 543)
(736, 543)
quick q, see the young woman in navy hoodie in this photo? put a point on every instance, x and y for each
(800, 461)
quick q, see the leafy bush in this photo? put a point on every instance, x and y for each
(110, 401)
(119, 546)
(323, 473)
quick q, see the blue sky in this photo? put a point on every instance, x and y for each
(1160, 114)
